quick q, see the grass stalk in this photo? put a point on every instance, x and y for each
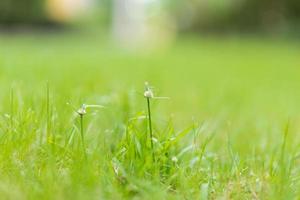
(82, 135)
(150, 127)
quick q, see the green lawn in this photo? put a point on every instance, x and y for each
(230, 129)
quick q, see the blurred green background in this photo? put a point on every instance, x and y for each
(246, 45)
(212, 55)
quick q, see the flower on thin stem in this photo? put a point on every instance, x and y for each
(148, 94)
(83, 109)
(148, 91)
(81, 112)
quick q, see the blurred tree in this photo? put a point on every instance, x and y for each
(241, 15)
(293, 7)
(22, 11)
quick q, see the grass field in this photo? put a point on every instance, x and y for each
(229, 130)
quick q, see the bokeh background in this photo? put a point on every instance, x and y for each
(131, 18)
(235, 59)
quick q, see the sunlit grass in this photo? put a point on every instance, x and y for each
(229, 129)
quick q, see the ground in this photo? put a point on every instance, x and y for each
(229, 129)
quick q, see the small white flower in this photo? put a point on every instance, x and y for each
(174, 159)
(82, 110)
(148, 94)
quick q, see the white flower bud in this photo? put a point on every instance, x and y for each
(174, 159)
(148, 94)
(82, 110)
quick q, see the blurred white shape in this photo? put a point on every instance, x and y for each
(129, 21)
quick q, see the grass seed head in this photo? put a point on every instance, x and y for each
(148, 92)
(82, 110)
(174, 159)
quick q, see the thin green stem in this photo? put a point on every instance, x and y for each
(150, 126)
(82, 135)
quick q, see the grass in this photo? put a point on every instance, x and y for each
(229, 131)
(148, 97)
